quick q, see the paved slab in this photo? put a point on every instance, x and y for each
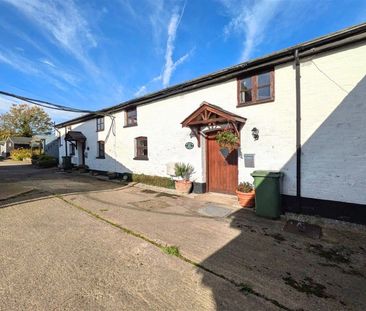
(215, 210)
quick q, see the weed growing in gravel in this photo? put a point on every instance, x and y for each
(171, 250)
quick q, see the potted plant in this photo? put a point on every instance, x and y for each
(228, 140)
(183, 172)
(246, 194)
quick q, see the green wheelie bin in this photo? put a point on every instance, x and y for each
(66, 163)
(267, 193)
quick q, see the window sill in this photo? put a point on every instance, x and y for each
(100, 130)
(239, 105)
(141, 158)
(131, 125)
(100, 157)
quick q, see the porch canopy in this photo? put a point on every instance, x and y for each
(75, 136)
(211, 116)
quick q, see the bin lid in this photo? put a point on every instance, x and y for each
(270, 174)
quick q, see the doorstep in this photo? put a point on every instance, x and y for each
(227, 200)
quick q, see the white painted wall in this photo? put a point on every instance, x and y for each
(334, 163)
(334, 125)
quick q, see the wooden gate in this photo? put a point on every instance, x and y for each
(222, 173)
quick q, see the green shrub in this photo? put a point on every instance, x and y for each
(20, 154)
(1, 158)
(51, 162)
(43, 157)
(44, 161)
(154, 180)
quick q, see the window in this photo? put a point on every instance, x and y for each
(100, 124)
(131, 117)
(256, 89)
(101, 154)
(141, 148)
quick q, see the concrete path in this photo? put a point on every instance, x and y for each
(291, 271)
(80, 243)
(56, 257)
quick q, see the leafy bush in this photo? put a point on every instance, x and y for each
(44, 161)
(20, 154)
(47, 161)
(183, 170)
(1, 158)
(153, 180)
(245, 187)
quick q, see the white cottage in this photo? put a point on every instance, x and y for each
(301, 111)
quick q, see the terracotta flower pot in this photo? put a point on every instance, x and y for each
(183, 186)
(246, 199)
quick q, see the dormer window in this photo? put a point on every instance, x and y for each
(256, 89)
(131, 117)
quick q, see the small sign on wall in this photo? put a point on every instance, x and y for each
(189, 145)
(249, 160)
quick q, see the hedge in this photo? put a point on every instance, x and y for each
(45, 161)
(158, 181)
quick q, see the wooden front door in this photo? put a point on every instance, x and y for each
(222, 173)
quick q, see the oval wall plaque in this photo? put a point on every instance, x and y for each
(189, 145)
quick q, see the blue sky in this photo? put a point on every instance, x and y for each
(94, 54)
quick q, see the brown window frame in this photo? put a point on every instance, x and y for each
(101, 155)
(127, 118)
(254, 89)
(139, 150)
(100, 124)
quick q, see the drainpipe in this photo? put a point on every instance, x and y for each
(298, 130)
(65, 142)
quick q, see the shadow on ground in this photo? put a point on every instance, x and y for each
(288, 271)
(21, 182)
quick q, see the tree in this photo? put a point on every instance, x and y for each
(24, 120)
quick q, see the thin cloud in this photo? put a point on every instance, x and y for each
(47, 62)
(63, 24)
(25, 65)
(250, 21)
(170, 65)
(141, 91)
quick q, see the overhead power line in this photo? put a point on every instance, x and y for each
(50, 105)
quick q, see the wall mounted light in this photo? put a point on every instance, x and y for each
(255, 133)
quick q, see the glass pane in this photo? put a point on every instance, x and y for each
(264, 79)
(246, 97)
(264, 93)
(131, 113)
(131, 121)
(246, 84)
